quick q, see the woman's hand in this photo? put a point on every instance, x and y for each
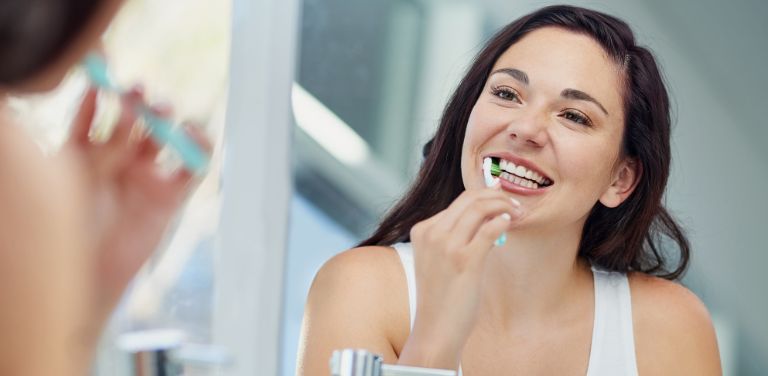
(131, 202)
(450, 249)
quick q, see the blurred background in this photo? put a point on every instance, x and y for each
(371, 79)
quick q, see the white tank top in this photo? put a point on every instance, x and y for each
(613, 342)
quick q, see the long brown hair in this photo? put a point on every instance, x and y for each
(626, 238)
(35, 32)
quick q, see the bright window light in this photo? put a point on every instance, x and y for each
(332, 133)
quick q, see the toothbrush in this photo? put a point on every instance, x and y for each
(491, 171)
(161, 129)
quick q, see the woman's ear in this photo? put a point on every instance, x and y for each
(623, 183)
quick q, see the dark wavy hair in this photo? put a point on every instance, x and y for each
(626, 238)
(34, 33)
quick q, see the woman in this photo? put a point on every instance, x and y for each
(579, 115)
(75, 227)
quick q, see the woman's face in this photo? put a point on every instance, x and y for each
(553, 105)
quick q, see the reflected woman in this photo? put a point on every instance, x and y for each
(578, 115)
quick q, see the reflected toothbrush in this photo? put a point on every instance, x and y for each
(162, 130)
(491, 172)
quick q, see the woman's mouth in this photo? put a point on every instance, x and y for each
(515, 173)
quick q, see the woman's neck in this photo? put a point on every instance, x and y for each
(535, 276)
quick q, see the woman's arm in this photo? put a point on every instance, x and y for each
(359, 299)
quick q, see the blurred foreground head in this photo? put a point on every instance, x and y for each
(40, 40)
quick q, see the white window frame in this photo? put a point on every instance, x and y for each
(256, 185)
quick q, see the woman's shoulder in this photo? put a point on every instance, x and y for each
(34, 176)
(368, 266)
(362, 276)
(673, 329)
(651, 289)
(666, 304)
(358, 299)
(14, 143)
(367, 287)
(22, 163)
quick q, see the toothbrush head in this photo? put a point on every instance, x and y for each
(495, 166)
(491, 169)
(96, 68)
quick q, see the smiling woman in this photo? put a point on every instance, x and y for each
(577, 116)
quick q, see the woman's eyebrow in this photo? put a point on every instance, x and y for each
(580, 95)
(514, 73)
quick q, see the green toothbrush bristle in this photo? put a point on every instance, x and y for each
(495, 167)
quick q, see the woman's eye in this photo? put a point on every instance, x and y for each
(577, 118)
(506, 94)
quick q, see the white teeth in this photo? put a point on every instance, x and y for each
(511, 169)
(518, 180)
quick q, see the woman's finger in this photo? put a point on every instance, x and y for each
(81, 124)
(451, 215)
(183, 177)
(148, 148)
(195, 131)
(486, 235)
(119, 139)
(474, 216)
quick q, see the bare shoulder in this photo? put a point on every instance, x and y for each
(36, 179)
(22, 166)
(364, 262)
(673, 329)
(14, 145)
(660, 299)
(372, 273)
(358, 299)
(42, 205)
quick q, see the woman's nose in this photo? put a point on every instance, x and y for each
(529, 130)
